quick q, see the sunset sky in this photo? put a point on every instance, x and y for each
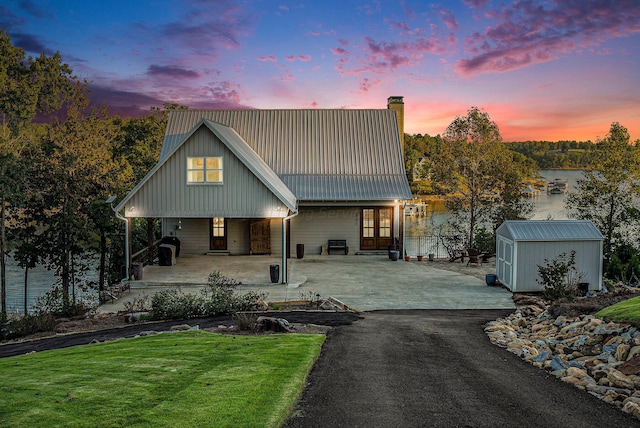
(543, 70)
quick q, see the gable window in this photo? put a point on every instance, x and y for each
(204, 170)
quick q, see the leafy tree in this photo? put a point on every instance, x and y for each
(478, 171)
(27, 86)
(608, 192)
(77, 167)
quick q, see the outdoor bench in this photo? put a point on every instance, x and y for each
(338, 244)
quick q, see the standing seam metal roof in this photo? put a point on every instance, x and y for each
(321, 155)
(550, 230)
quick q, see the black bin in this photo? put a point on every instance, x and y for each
(274, 271)
(300, 251)
(392, 248)
(165, 256)
(172, 240)
(583, 288)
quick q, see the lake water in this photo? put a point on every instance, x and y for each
(546, 207)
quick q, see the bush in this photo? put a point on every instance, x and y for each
(28, 324)
(484, 240)
(559, 277)
(217, 298)
(624, 264)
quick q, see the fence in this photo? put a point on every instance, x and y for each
(423, 245)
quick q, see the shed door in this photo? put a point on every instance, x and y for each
(376, 228)
(260, 237)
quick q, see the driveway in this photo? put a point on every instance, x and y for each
(437, 369)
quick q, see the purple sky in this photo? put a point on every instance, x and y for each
(543, 70)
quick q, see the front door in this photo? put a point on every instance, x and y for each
(260, 237)
(376, 231)
(218, 239)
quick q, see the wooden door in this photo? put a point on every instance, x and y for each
(218, 236)
(376, 228)
(260, 237)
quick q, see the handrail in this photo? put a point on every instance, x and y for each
(139, 257)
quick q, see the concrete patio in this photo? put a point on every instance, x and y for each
(371, 282)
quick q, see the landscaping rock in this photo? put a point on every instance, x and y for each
(600, 357)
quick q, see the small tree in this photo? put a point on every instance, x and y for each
(608, 193)
(559, 277)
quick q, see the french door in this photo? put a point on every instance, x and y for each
(376, 228)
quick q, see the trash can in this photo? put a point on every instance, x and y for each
(166, 255)
(172, 240)
(274, 271)
(392, 247)
(300, 251)
(136, 269)
(394, 255)
(583, 288)
(490, 279)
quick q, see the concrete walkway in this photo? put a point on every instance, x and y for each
(363, 282)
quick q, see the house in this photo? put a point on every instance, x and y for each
(522, 245)
(259, 181)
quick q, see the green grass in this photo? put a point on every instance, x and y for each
(184, 379)
(627, 310)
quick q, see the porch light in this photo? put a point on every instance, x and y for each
(179, 225)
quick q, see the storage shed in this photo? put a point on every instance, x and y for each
(522, 245)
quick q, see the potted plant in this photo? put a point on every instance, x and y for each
(406, 257)
(420, 258)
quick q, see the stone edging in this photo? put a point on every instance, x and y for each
(593, 355)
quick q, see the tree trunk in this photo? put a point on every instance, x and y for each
(103, 258)
(26, 293)
(3, 256)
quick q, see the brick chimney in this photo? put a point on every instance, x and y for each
(397, 104)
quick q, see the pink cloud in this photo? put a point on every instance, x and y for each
(304, 58)
(449, 19)
(290, 58)
(527, 33)
(268, 58)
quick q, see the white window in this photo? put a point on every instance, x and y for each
(204, 170)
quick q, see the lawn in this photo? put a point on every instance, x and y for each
(184, 379)
(627, 310)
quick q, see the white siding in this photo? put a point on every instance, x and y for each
(314, 226)
(167, 194)
(530, 254)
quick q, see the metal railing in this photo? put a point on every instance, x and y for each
(423, 245)
(147, 255)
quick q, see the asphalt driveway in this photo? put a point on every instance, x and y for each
(437, 368)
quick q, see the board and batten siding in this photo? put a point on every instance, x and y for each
(530, 254)
(314, 226)
(167, 194)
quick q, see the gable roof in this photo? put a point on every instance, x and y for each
(320, 155)
(549, 230)
(241, 150)
(253, 162)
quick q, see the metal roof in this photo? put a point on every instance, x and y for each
(549, 230)
(321, 155)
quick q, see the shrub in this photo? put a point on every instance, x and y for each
(28, 324)
(559, 277)
(217, 298)
(624, 264)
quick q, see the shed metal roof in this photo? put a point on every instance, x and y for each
(321, 155)
(549, 230)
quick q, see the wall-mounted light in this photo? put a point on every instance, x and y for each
(179, 225)
(131, 208)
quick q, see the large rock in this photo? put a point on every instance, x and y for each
(620, 379)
